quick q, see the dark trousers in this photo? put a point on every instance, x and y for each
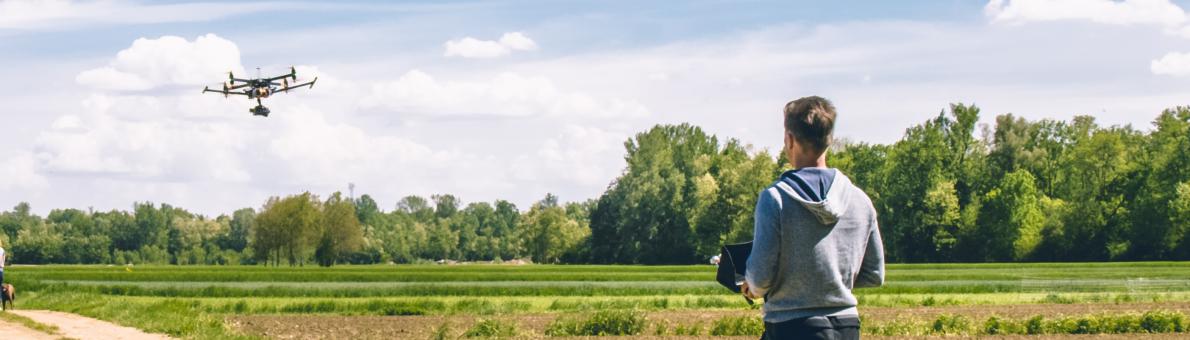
(817, 327)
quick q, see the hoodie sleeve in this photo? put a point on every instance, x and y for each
(766, 244)
(871, 270)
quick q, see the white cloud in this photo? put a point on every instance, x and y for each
(20, 172)
(586, 156)
(142, 138)
(317, 151)
(505, 95)
(517, 41)
(207, 153)
(168, 60)
(1173, 64)
(469, 47)
(1127, 12)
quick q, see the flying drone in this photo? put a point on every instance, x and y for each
(260, 88)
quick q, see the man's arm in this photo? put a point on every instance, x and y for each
(871, 270)
(766, 245)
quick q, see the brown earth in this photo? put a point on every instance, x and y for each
(75, 327)
(12, 330)
(533, 325)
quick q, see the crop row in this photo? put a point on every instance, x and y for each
(1041, 274)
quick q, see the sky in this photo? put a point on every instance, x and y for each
(511, 100)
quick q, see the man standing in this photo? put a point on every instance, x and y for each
(815, 237)
(3, 257)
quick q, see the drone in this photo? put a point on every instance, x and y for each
(260, 88)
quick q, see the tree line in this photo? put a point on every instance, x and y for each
(950, 190)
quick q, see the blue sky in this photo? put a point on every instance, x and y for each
(514, 99)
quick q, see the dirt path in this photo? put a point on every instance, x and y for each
(11, 330)
(83, 328)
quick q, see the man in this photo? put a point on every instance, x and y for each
(815, 237)
(3, 257)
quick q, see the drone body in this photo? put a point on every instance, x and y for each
(260, 88)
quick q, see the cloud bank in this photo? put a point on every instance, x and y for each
(469, 47)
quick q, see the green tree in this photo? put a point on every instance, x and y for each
(417, 207)
(1180, 221)
(240, 230)
(1012, 219)
(287, 228)
(340, 232)
(941, 214)
(549, 232)
(37, 244)
(644, 216)
(1166, 160)
(12, 222)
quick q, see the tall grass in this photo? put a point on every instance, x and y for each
(492, 328)
(738, 325)
(613, 322)
(1121, 323)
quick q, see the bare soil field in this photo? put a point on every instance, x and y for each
(533, 326)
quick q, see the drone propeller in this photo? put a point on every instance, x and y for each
(293, 73)
(286, 84)
(230, 76)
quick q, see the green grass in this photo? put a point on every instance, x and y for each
(193, 301)
(492, 328)
(738, 325)
(169, 316)
(610, 322)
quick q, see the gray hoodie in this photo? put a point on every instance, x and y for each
(807, 255)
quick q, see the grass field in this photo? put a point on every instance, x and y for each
(533, 301)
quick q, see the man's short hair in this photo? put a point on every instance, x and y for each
(811, 120)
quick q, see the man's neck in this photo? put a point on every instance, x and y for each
(809, 161)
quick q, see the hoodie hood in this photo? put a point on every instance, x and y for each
(831, 207)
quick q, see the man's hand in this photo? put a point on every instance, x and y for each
(747, 292)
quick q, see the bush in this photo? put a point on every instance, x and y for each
(621, 322)
(951, 324)
(689, 330)
(998, 326)
(738, 326)
(491, 328)
(661, 328)
(1163, 322)
(1127, 323)
(1035, 325)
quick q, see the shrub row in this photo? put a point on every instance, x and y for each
(612, 322)
(1120, 323)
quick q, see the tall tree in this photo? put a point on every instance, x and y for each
(549, 232)
(341, 232)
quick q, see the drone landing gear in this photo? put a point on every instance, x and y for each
(259, 110)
